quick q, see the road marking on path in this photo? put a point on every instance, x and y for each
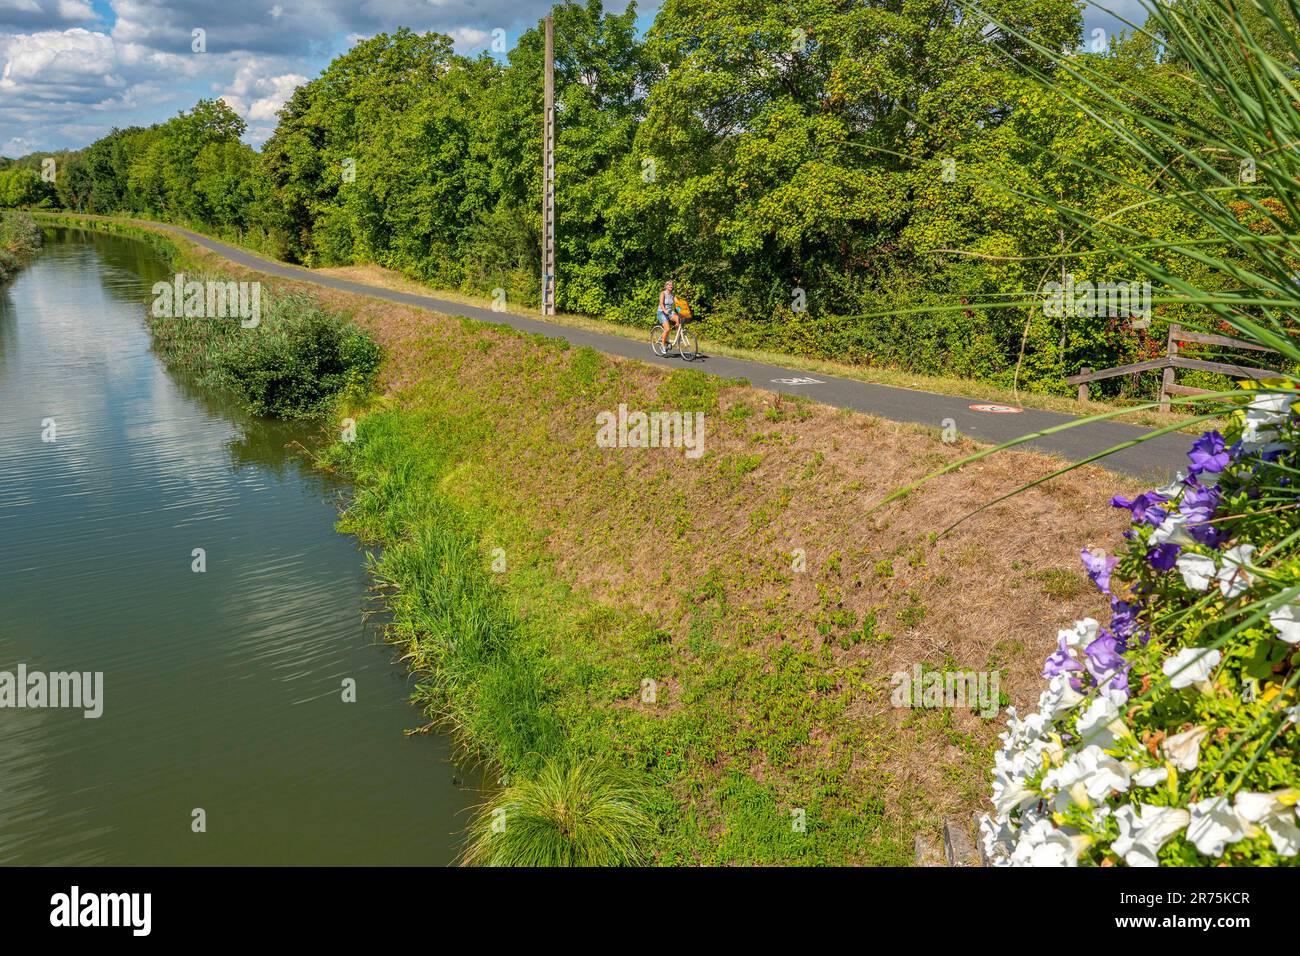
(997, 409)
(798, 381)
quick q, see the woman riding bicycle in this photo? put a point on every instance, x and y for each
(667, 312)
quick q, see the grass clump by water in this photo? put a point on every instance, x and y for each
(295, 363)
(20, 239)
(584, 813)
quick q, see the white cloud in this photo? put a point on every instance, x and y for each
(257, 92)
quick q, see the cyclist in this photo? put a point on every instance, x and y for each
(667, 312)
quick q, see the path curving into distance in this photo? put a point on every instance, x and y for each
(1157, 459)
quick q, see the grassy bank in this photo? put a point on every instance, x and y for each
(541, 584)
(692, 655)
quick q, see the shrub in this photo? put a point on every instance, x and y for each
(294, 364)
(298, 361)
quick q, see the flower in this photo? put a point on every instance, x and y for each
(1208, 454)
(1274, 816)
(1145, 507)
(1197, 571)
(1144, 829)
(1058, 698)
(1163, 556)
(1214, 825)
(1287, 621)
(1069, 645)
(1184, 750)
(1199, 504)
(1099, 568)
(1172, 530)
(1044, 845)
(1233, 577)
(1191, 666)
(1106, 663)
(1151, 776)
(1102, 722)
(1265, 411)
(1124, 620)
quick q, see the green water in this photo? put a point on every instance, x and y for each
(223, 690)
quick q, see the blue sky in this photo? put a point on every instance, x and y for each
(71, 70)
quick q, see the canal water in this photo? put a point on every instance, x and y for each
(223, 690)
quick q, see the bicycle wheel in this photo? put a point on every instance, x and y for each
(655, 344)
(686, 345)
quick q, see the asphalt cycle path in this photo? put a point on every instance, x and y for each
(991, 422)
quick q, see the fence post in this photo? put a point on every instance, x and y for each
(1167, 376)
(1083, 386)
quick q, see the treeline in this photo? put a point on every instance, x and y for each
(798, 167)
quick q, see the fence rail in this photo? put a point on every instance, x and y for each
(1171, 361)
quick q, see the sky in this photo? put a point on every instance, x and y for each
(74, 69)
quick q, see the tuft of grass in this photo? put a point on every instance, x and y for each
(573, 813)
(1060, 583)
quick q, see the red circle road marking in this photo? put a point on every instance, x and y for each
(996, 409)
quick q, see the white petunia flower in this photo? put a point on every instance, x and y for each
(1270, 814)
(1172, 489)
(1058, 698)
(1197, 571)
(1214, 825)
(1151, 776)
(1191, 666)
(1144, 829)
(1044, 845)
(1102, 723)
(1080, 636)
(1184, 750)
(1287, 621)
(1233, 577)
(1086, 778)
(1102, 773)
(1264, 412)
(1173, 530)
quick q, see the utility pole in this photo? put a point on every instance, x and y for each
(548, 177)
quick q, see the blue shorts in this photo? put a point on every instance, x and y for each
(663, 317)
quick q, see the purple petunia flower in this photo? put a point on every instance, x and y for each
(1124, 621)
(1099, 567)
(1105, 660)
(1199, 502)
(1060, 662)
(1145, 507)
(1208, 454)
(1163, 556)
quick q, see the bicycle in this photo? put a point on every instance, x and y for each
(679, 341)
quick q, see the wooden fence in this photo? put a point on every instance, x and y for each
(1171, 361)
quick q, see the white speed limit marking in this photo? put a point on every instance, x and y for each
(997, 409)
(798, 381)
